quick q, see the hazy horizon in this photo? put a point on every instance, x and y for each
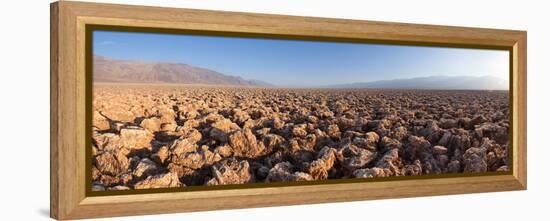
(293, 63)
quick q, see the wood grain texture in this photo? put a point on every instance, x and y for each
(521, 113)
(68, 109)
(54, 120)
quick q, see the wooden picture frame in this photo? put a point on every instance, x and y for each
(70, 198)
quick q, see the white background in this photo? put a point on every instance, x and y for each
(24, 110)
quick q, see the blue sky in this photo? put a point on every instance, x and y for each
(301, 63)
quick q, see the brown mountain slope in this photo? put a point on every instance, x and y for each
(110, 70)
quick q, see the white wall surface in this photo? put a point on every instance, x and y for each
(24, 109)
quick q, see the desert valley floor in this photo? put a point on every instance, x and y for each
(175, 136)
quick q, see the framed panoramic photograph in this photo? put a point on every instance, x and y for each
(159, 110)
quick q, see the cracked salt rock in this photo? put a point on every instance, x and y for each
(159, 181)
(230, 172)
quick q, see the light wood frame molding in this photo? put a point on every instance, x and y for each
(68, 109)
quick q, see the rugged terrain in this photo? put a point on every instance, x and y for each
(129, 71)
(170, 136)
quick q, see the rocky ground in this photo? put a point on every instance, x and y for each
(167, 136)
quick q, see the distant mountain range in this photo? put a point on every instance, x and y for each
(486, 82)
(127, 71)
(124, 71)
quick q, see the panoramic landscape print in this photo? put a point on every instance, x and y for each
(172, 111)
